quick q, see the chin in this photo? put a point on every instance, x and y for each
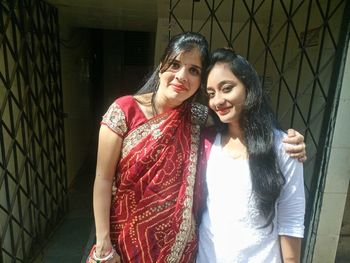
(224, 120)
(227, 120)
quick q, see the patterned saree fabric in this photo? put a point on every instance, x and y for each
(152, 215)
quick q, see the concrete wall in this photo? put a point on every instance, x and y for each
(337, 182)
(343, 250)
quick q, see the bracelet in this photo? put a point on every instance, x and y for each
(109, 256)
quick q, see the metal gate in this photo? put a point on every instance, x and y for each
(33, 183)
(298, 47)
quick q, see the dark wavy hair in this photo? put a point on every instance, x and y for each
(258, 122)
(181, 43)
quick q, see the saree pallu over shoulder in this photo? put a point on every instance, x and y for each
(152, 215)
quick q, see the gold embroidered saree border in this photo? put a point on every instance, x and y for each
(137, 135)
(186, 227)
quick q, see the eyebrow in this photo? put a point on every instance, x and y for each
(222, 83)
(198, 67)
(193, 65)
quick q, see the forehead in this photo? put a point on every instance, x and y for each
(192, 57)
(221, 72)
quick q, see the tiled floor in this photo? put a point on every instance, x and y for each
(75, 235)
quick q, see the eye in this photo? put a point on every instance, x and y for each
(175, 65)
(195, 71)
(210, 94)
(227, 88)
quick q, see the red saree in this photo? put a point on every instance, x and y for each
(153, 202)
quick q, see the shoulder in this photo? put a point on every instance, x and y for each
(125, 101)
(288, 165)
(199, 113)
(115, 116)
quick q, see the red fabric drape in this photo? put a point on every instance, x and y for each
(152, 208)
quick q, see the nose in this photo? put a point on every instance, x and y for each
(181, 74)
(218, 101)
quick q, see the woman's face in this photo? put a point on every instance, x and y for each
(182, 77)
(226, 93)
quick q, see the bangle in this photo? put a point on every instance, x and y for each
(109, 256)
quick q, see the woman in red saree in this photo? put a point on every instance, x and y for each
(144, 202)
(146, 193)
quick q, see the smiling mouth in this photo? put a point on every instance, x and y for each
(223, 111)
(178, 88)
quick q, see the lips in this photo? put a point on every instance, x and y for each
(178, 87)
(223, 111)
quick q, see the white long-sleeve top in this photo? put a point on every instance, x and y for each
(230, 231)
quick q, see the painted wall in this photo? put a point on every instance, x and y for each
(343, 250)
(337, 182)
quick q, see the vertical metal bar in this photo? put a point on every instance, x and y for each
(251, 12)
(268, 41)
(300, 68)
(8, 226)
(2, 144)
(283, 57)
(231, 22)
(170, 16)
(211, 22)
(11, 150)
(15, 23)
(192, 15)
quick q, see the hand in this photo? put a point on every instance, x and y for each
(115, 258)
(295, 146)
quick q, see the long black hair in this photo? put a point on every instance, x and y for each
(258, 123)
(181, 43)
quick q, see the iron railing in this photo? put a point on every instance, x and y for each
(33, 183)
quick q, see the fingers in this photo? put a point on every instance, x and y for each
(294, 145)
(298, 149)
(293, 137)
(302, 159)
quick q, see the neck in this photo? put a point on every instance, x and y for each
(161, 104)
(235, 131)
(233, 142)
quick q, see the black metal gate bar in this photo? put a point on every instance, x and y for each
(301, 66)
(33, 182)
(295, 94)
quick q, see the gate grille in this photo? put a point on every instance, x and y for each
(294, 45)
(33, 184)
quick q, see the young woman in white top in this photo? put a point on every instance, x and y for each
(255, 194)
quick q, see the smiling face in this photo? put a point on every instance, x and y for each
(226, 93)
(181, 78)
